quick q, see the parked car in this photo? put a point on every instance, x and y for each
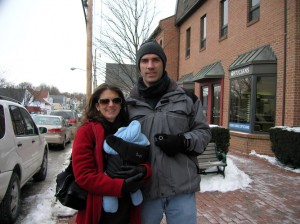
(23, 155)
(58, 129)
(70, 115)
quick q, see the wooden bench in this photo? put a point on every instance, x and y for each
(211, 158)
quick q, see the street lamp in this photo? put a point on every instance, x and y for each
(88, 93)
(73, 68)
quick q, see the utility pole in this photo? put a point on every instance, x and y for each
(89, 57)
(95, 67)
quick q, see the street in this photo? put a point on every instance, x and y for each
(57, 161)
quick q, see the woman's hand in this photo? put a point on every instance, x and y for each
(128, 151)
(130, 171)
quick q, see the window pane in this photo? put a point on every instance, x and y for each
(188, 42)
(204, 28)
(240, 98)
(2, 122)
(254, 10)
(30, 128)
(18, 123)
(254, 2)
(265, 103)
(225, 12)
(203, 32)
(216, 105)
(204, 99)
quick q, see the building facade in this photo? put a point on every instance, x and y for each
(243, 59)
(167, 34)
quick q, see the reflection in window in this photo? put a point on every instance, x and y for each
(203, 32)
(2, 122)
(265, 103)
(224, 18)
(18, 123)
(188, 42)
(30, 128)
(240, 98)
(254, 9)
(204, 99)
(216, 105)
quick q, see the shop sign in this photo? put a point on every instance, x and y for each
(239, 126)
(239, 72)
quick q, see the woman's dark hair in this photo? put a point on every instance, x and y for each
(91, 113)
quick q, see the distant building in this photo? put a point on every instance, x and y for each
(122, 75)
(21, 95)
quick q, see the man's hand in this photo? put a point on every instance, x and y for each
(171, 144)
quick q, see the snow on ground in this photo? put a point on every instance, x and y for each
(234, 179)
(274, 161)
(48, 208)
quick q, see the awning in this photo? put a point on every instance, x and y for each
(262, 55)
(187, 78)
(214, 70)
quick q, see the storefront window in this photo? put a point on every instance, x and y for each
(240, 103)
(257, 114)
(265, 103)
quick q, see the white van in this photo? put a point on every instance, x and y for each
(23, 155)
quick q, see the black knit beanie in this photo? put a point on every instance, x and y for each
(151, 47)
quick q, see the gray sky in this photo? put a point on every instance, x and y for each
(40, 40)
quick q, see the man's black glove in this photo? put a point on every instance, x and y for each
(132, 184)
(129, 152)
(130, 171)
(171, 144)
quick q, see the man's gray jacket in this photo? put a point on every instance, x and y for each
(175, 113)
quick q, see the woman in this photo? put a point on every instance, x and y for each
(105, 113)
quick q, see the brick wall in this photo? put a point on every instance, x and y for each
(245, 143)
(169, 38)
(243, 37)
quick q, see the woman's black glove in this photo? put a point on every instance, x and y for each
(113, 165)
(130, 171)
(132, 184)
(129, 152)
(171, 144)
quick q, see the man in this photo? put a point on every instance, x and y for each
(177, 130)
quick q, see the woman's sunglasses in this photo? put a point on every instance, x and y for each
(117, 100)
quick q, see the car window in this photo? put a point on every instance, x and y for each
(65, 114)
(2, 122)
(30, 128)
(22, 122)
(18, 123)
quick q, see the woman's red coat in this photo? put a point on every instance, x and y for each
(87, 161)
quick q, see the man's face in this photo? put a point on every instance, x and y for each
(151, 67)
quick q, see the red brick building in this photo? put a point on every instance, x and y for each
(242, 58)
(167, 34)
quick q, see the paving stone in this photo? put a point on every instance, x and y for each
(272, 197)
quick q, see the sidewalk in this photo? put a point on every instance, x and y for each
(272, 197)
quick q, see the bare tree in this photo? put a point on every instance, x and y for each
(24, 85)
(127, 24)
(3, 82)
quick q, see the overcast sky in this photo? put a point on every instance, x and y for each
(40, 40)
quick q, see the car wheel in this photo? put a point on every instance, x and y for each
(42, 173)
(10, 205)
(63, 145)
